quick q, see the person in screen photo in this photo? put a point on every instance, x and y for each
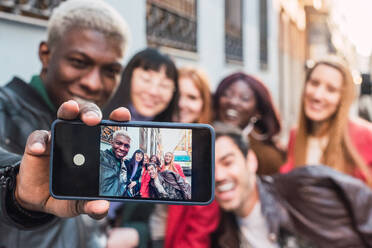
(134, 171)
(113, 166)
(167, 184)
(170, 165)
(145, 180)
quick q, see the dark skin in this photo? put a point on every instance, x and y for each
(121, 146)
(32, 188)
(85, 65)
(237, 104)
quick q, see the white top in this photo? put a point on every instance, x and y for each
(315, 149)
(157, 222)
(254, 231)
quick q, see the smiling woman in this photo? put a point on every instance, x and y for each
(149, 87)
(243, 101)
(325, 134)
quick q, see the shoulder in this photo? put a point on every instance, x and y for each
(106, 155)
(15, 89)
(360, 130)
(19, 98)
(360, 125)
(177, 166)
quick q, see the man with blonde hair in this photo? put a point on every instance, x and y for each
(113, 167)
(81, 61)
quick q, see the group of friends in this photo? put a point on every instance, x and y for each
(266, 195)
(141, 176)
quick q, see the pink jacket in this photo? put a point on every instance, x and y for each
(361, 136)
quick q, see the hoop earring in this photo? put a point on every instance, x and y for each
(248, 129)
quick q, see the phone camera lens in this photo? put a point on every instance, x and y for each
(79, 159)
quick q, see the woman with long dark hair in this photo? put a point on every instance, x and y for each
(244, 101)
(134, 171)
(149, 87)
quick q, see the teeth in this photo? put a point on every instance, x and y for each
(226, 187)
(232, 113)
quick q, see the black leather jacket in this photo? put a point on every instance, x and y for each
(313, 206)
(22, 111)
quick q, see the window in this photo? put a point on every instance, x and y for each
(263, 35)
(40, 9)
(172, 23)
(233, 30)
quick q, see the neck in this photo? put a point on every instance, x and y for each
(248, 206)
(319, 129)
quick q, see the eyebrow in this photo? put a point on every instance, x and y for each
(226, 156)
(77, 52)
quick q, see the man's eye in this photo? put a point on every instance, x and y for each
(228, 162)
(79, 63)
(111, 72)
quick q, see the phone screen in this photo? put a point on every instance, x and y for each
(143, 161)
(155, 163)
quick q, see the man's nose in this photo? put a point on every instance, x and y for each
(92, 82)
(218, 173)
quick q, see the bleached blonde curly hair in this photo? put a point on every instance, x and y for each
(87, 14)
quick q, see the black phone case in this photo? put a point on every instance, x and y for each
(86, 146)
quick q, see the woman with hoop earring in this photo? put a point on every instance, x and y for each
(244, 101)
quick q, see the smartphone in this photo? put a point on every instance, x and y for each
(158, 162)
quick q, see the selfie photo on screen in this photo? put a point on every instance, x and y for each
(139, 162)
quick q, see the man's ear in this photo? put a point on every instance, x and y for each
(44, 55)
(252, 161)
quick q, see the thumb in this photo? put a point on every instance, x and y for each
(96, 209)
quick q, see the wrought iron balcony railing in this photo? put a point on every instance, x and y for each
(165, 27)
(233, 48)
(41, 9)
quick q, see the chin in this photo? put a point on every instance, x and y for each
(147, 113)
(228, 206)
(316, 117)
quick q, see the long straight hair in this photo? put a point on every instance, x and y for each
(201, 82)
(339, 153)
(171, 165)
(148, 59)
(132, 162)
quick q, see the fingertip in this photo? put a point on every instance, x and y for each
(68, 110)
(97, 208)
(37, 148)
(72, 103)
(91, 118)
(120, 114)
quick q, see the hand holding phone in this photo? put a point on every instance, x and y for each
(32, 186)
(107, 161)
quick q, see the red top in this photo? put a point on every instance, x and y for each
(178, 168)
(360, 132)
(191, 226)
(145, 180)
